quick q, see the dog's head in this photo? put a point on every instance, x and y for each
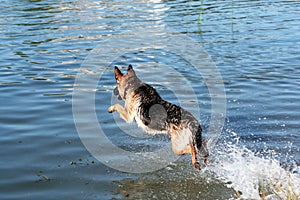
(125, 82)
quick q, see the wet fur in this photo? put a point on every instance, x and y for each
(155, 115)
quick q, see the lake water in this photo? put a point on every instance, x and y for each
(57, 81)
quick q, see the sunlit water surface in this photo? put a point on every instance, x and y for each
(254, 44)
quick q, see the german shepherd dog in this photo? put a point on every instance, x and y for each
(155, 115)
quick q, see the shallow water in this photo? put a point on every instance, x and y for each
(46, 46)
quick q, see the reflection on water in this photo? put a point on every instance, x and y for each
(43, 44)
(173, 186)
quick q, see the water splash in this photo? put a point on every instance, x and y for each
(252, 175)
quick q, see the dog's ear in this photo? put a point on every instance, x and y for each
(130, 70)
(118, 73)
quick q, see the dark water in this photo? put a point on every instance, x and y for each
(46, 45)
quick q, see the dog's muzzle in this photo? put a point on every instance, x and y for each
(116, 92)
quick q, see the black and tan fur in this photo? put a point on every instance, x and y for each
(155, 115)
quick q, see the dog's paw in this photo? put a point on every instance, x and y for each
(111, 109)
(196, 165)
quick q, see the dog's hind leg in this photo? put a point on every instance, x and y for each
(195, 162)
(182, 144)
(123, 112)
(189, 149)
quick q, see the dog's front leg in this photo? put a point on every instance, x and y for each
(123, 112)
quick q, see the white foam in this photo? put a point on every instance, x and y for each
(249, 173)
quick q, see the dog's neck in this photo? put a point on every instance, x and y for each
(126, 90)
